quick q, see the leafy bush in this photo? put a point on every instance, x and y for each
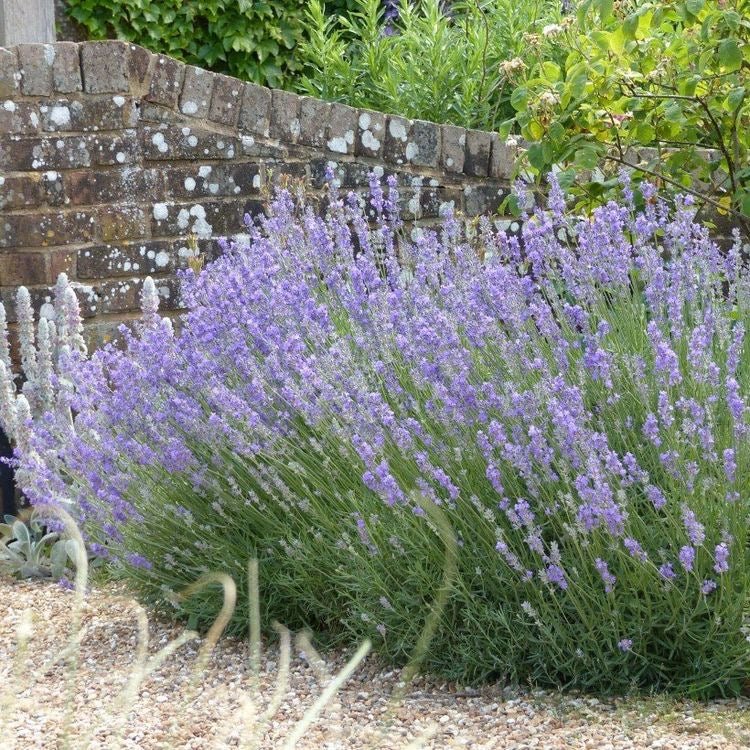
(561, 436)
(671, 76)
(30, 551)
(420, 61)
(255, 41)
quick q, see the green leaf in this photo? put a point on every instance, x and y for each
(551, 71)
(730, 55)
(519, 99)
(694, 6)
(736, 97)
(586, 158)
(535, 155)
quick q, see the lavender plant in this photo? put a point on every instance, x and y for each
(573, 404)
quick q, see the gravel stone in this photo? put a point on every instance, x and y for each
(166, 714)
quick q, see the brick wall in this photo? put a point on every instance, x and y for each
(110, 156)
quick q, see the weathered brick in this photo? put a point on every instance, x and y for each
(20, 191)
(60, 261)
(204, 218)
(193, 144)
(121, 222)
(128, 257)
(62, 152)
(66, 68)
(313, 121)
(477, 159)
(423, 147)
(502, 159)
(370, 133)
(396, 140)
(19, 118)
(9, 75)
(342, 125)
(427, 202)
(114, 150)
(139, 68)
(226, 100)
(101, 113)
(124, 295)
(284, 116)
(483, 199)
(285, 175)
(104, 66)
(255, 115)
(250, 147)
(22, 268)
(195, 99)
(152, 113)
(46, 229)
(453, 148)
(166, 81)
(52, 188)
(35, 65)
(350, 174)
(92, 187)
(209, 180)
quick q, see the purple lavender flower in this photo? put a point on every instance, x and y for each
(608, 578)
(708, 586)
(625, 645)
(721, 558)
(687, 557)
(695, 530)
(666, 571)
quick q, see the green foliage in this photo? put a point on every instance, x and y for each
(672, 76)
(251, 40)
(434, 66)
(28, 551)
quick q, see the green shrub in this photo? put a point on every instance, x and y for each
(673, 76)
(255, 41)
(438, 66)
(578, 415)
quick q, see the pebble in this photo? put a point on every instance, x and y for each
(432, 712)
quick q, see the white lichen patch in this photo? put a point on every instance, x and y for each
(189, 107)
(161, 211)
(256, 181)
(397, 130)
(192, 141)
(204, 171)
(189, 184)
(411, 151)
(339, 145)
(161, 259)
(369, 141)
(118, 100)
(160, 142)
(120, 157)
(9, 106)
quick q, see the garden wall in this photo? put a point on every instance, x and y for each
(111, 156)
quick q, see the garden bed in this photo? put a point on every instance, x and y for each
(492, 717)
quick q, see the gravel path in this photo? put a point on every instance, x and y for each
(166, 715)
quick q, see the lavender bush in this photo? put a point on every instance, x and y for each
(574, 405)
